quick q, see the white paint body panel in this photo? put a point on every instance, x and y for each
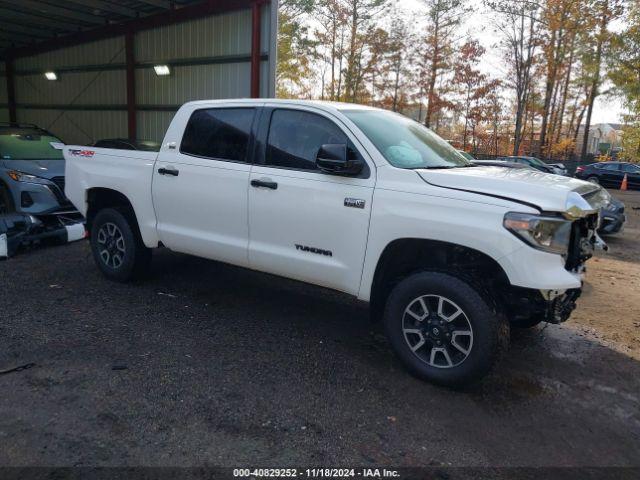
(125, 171)
(210, 209)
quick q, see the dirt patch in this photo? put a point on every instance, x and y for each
(609, 309)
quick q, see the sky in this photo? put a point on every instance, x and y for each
(478, 25)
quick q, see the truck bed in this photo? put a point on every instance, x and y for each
(128, 172)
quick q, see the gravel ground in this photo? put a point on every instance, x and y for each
(221, 366)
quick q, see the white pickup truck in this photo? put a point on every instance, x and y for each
(356, 199)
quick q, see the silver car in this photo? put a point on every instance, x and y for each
(31, 171)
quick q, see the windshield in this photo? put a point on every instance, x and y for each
(405, 143)
(536, 161)
(28, 145)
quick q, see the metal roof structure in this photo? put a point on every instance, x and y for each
(34, 26)
(88, 67)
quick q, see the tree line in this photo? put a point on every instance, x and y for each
(556, 57)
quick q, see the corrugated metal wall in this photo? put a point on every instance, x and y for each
(4, 111)
(209, 58)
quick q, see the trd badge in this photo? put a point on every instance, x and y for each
(354, 202)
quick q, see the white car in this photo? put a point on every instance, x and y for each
(356, 199)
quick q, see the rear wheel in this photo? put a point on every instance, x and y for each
(593, 179)
(117, 247)
(443, 329)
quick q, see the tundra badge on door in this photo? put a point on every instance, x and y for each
(354, 202)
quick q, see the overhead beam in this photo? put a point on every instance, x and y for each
(45, 9)
(11, 28)
(169, 17)
(30, 20)
(107, 7)
(158, 3)
(15, 36)
(178, 62)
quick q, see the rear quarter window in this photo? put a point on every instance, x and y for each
(219, 133)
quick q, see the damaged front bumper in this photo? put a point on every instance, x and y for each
(21, 230)
(556, 305)
(559, 304)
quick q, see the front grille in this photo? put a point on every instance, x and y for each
(59, 191)
(581, 244)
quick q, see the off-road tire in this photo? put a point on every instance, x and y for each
(490, 328)
(136, 258)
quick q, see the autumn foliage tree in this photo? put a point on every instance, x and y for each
(554, 55)
(624, 72)
(440, 36)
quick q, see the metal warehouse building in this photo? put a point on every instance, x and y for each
(94, 69)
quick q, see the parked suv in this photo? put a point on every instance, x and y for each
(31, 171)
(357, 199)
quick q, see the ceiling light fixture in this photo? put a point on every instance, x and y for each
(162, 70)
(51, 76)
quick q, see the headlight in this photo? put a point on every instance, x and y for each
(22, 177)
(551, 234)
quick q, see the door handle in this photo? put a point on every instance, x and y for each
(168, 171)
(264, 184)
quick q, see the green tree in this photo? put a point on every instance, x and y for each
(440, 38)
(624, 72)
(296, 49)
(597, 40)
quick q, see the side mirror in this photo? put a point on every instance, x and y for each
(334, 158)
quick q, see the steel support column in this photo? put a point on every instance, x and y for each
(11, 89)
(132, 126)
(255, 49)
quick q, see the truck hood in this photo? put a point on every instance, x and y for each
(543, 190)
(40, 168)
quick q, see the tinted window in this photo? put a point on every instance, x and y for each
(221, 133)
(628, 168)
(611, 166)
(296, 136)
(113, 144)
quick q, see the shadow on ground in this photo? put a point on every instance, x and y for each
(227, 367)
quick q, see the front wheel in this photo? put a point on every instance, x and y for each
(117, 247)
(443, 329)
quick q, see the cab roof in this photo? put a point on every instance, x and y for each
(323, 104)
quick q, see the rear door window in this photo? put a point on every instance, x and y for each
(219, 133)
(611, 166)
(628, 168)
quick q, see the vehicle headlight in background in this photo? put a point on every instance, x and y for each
(551, 234)
(25, 177)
